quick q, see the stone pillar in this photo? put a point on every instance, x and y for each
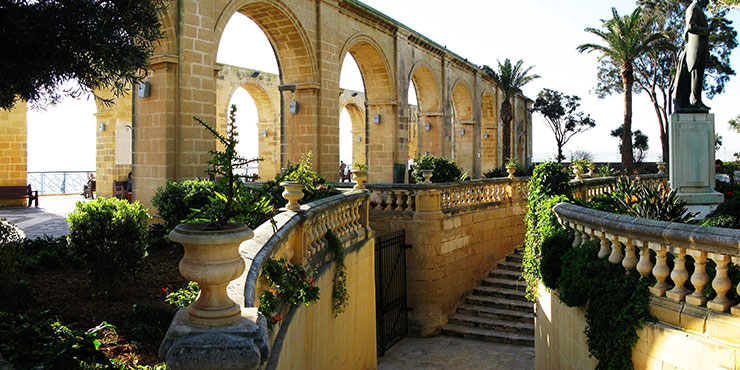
(113, 141)
(301, 127)
(382, 140)
(430, 140)
(269, 149)
(13, 150)
(692, 170)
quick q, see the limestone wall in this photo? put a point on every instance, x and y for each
(560, 342)
(114, 151)
(315, 339)
(451, 253)
(13, 150)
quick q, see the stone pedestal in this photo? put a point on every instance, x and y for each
(241, 345)
(692, 161)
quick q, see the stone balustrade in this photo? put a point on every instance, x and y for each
(588, 188)
(629, 240)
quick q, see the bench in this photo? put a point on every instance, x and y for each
(119, 189)
(89, 190)
(18, 192)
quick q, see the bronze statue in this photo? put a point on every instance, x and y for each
(692, 61)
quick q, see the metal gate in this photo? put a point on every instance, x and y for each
(390, 289)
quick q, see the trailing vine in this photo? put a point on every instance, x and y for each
(290, 284)
(339, 295)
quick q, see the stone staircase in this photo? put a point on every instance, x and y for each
(497, 310)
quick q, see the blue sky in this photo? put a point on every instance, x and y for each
(543, 33)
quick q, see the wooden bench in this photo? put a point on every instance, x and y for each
(19, 192)
(119, 189)
(89, 190)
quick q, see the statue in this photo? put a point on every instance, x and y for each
(692, 61)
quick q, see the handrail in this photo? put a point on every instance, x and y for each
(58, 182)
(612, 232)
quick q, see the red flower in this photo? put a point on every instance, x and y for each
(165, 290)
(729, 193)
(277, 318)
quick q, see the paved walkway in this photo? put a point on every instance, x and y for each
(49, 218)
(443, 352)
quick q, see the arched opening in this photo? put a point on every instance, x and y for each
(352, 132)
(413, 119)
(489, 134)
(430, 123)
(463, 125)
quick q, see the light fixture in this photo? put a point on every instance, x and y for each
(264, 133)
(359, 139)
(485, 136)
(428, 126)
(101, 128)
(376, 118)
(255, 73)
(462, 131)
(293, 107)
(354, 94)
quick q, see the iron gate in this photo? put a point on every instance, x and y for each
(390, 289)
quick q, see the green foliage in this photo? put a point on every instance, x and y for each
(11, 245)
(108, 236)
(563, 116)
(578, 270)
(359, 166)
(315, 187)
(655, 202)
(290, 284)
(495, 173)
(639, 144)
(150, 323)
(445, 169)
(726, 215)
(339, 296)
(183, 297)
(554, 246)
(46, 253)
(606, 171)
(581, 164)
(549, 179)
(35, 340)
(729, 168)
(176, 200)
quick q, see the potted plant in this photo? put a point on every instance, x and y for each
(212, 245)
(511, 165)
(359, 175)
(591, 168)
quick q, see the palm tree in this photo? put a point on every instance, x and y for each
(627, 38)
(509, 78)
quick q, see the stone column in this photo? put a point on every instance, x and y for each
(13, 141)
(430, 140)
(382, 140)
(692, 170)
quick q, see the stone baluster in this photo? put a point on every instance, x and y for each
(679, 276)
(644, 267)
(721, 284)
(577, 241)
(392, 200)
(699, 278)
(616, 256)
(310, 233)
(603, 243)
(736, 309)
(587, 237)
(630, 260)
(660, 271)
(412, 201)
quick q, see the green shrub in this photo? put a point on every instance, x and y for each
(495, 173)
(176, 200)
(728, 190)
(108, 236)
(149, 323)
(11, 245)
(46, 253)
(315, 187)
(445, 169)
(339, 294)
(554, 246)
(185, 296)
(290, 284)
(549, 179)
(578, 271)
(726, 215)
(606, 171)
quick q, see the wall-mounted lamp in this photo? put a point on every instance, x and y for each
(462, 131)
(293, 107)
(144, 89)
(359, 139)
(485, 136)
(428, 126)
(354, 94)
(264, 133)
(101, 128)
(255, 73)
(376, 118)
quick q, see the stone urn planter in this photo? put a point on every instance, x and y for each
(591, 168)
(577, 171)
(359, 176)
(212, 260)
(427, 174)
(661, 168)
(511, 170)
(293, 193)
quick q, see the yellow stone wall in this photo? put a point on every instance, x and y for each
(560, 342)
(107, 169)
(315, 339)
(13, 165)
(450, 256)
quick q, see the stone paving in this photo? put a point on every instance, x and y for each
(49, 218)
(443, 352)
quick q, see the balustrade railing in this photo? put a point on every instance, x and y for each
(588, 188)
(58, 182)
(629, 240)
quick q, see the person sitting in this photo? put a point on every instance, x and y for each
(130, 186)
(89, 188)
(342, 170)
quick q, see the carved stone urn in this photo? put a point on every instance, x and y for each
(591, 168)
(577, 171)
(427, 174)
(293, 193)
(212, 260)
(661, 168)
(511, 170)
(359, 176)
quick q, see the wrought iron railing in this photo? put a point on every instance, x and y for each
(58, 182)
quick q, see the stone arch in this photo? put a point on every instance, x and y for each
(168, 43)
(463, 126)
(376, 72)
(426, 85)
(293, 51)
(430, 126)
(489, 132)
(462, 103)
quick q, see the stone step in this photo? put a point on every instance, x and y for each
(488, 291)
(513, 266)
(505, 274)
(496, 313)
(494, 324)
(515, 258)
(497, 302)
(488, 335)
(504, 283)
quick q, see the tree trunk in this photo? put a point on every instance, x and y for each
(663, 126)
(628, 78)
(506, 117)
